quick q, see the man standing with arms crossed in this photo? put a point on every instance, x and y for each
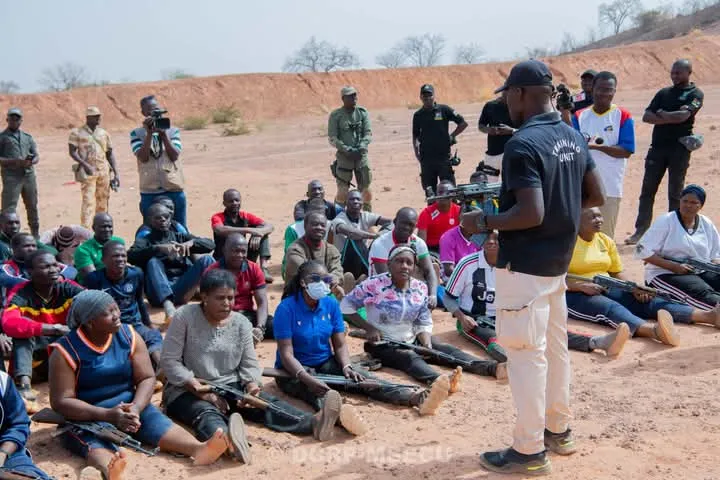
(547, 168)
(672, 111)
(349, 132)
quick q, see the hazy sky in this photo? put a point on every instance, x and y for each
(135, 40)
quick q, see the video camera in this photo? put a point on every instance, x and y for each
(564, 99)
(160, 122)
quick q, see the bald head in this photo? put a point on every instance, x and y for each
(680, 72)
(9, 223)
(315, 189)
(102, 227)
(232, 201)
(405, 222)
(235, 251)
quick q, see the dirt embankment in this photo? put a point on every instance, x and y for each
(271, 96)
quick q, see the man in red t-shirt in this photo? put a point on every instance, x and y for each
(437, 218)
(250, 283)
(233, 220)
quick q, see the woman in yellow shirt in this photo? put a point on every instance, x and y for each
(596, 254)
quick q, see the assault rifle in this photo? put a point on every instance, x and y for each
(470, 195)
(234, 395)
(338, 380)
(608, 282)
(10, 474)
(101, 430)
(697, 265)
(428, 353)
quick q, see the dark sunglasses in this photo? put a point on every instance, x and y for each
(316, 277)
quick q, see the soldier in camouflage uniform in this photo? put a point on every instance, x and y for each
(349, 132)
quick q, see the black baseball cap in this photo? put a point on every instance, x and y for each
(427, 88)
(530, 73)
(589, 73)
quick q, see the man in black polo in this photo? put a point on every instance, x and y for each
(548, 177)
(495, 122)
(315, 189)
(431, 140)
(672, 111)
(18, 157)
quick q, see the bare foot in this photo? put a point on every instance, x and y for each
(117, 466)
(716, 313)
(455, 378)
(90, 473)
(211, 450)
(622, 335)
(437, 394)
(351, 420)
(665, 329)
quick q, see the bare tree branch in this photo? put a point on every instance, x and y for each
(616, 13)
(470, 53)
(8, 87)
(320, 56)
(394, 58)
(65, 76)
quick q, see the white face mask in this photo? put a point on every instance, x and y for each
(317, 290)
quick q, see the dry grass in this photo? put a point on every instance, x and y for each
(413, 105)
(194, 123)
(236, 128)
(225, 114)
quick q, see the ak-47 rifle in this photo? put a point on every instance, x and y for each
(10, 474)
(698, 265)
(338, 380)
(99, 429)
(428, 353)
(234, 395)
(471, 195)
(608, 282)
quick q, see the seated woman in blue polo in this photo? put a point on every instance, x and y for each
(310, 334)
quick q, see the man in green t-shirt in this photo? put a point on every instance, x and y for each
(88, 256)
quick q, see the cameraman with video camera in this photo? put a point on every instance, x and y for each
(157, 147)
(568, 104)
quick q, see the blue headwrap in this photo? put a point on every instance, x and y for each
(696, 190)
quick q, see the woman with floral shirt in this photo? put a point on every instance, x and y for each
(396, 305)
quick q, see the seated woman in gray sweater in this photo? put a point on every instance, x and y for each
(210, 342)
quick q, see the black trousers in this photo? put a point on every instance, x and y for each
(354, 257)
(417, 367)
(675, 159)
(389, 394)
(252, 316)
(433, 169)
(205, 418)
(704, 288)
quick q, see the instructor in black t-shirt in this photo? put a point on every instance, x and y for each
(548, 177)
(672, 111)
(495, 122)
(431, 140)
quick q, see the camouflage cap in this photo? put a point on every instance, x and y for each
(347, 91)
(92, 112)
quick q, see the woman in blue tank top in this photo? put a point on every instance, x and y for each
(101, 372)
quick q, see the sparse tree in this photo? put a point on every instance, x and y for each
(394, 58)
(591, 36)
(568, 43)
(650, 19)
(470, 53)
(8, 87)
(65, 76)
(538, 52)
(176, 74)
(320, 56)
(423, 50)
(617, 12)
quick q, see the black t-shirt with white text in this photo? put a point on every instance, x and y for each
(672, 99)
(544, 153)
(494, 113)
(430, 127)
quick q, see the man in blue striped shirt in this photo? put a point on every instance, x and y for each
(158, 159)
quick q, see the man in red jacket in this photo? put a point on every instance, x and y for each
(34, 316)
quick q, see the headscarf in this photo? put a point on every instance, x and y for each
(400, 248)
(87, 305)
(696, 190)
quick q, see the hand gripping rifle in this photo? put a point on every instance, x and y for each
(698, 265)
(608, 282)
(101, 430)
(338, 380)
(471, 195)
(428, 353)
(231, 394)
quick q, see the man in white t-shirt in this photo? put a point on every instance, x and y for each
(405, 222)
(610, 131)
(350, 233)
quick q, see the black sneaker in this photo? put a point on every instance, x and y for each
(560, 443)
(511, 461)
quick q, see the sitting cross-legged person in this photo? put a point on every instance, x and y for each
(233, 220)
(313, 246)
(171, 277)
(15, 459)
(177, 227)
(34, 317)
(596, 254)
(208, 342)
(396, 306)
(350, 233)
(101, 372)
(470, 297)
(249, 285)
(125, 284)
(315, 190)
(88, 256)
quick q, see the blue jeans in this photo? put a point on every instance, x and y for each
(618, 306)
(178, 199)
(152, 338)
(159, 287)
(21, 462)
